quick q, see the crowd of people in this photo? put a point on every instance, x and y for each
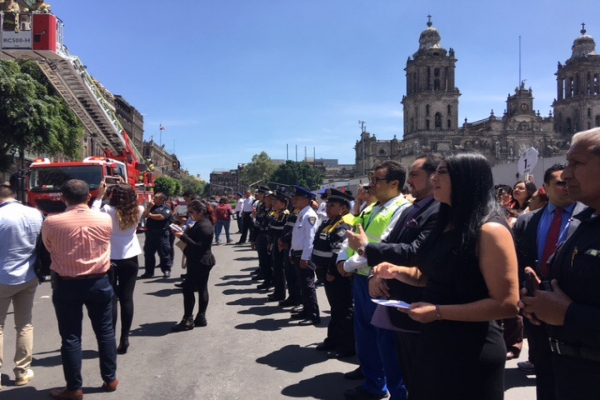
(425, 287)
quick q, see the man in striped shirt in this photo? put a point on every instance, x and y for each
(79, 242)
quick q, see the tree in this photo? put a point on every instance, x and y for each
(298, 173)
(260, 169)
(33, 116)
(166, 185)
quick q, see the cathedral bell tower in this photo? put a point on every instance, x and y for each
(577, 104)
(431, 101)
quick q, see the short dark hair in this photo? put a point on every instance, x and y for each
(75, 191)
(395, 171)
(431, 162)
(6, 191)
(551, 170)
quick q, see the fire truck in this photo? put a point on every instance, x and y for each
(39, 37)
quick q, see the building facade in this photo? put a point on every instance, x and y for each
(431, 109)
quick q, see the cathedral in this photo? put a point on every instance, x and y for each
(431, 110)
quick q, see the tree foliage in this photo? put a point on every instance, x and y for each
(166, 185)
(298, 173)
(260, 169)
(190, 183)
(33, 116)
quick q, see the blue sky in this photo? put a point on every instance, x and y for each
(231, 78)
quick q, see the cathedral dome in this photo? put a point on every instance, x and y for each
(430, 38)
(584, 45)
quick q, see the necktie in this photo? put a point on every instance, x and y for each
(551, 240)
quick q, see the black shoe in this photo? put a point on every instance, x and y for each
(167, 274)
(298, 316)
(325, 347)
(146, 276)
(288, 303)
(200, 321)
(342, 354)
(264, 286)
(258, 277)
(308, 322)
(182, 276)
(354, 375)
(123, 345)
(186, 324)
(360, 393)
(179, 285)
(297, 309)
(319, 283)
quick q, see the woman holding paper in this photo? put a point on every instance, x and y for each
(468, 266)
(200, 260)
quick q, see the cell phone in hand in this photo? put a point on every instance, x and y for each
(530, 283)
(176, 227)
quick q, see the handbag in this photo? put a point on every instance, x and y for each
(182, 245)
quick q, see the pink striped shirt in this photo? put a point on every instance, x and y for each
(78, 241)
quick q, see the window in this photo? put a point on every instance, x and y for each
(438, 120)
(427, 125)
(449, 125)
(449, 109)
(427, 110)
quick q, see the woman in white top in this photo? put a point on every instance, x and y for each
(125, 247)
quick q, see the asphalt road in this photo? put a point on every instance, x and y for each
(249, 350)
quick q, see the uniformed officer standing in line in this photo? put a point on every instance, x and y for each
(284, 243)
(571, 310)
(327, 245)
(158, 215)
(259, 237)
(279, 216)
(303, 236)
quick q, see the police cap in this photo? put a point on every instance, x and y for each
(338, 196)
(301, 192)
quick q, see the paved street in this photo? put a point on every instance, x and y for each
(250, 349)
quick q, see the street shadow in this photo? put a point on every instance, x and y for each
(248, 269)
(262, 311)
(246, 301)
(154, 329)
(164, 292)
(325, 387)
(515, 378)
(23, 392)
(237, 283)
(245, 259)
(53, 361)
(239, 249)
(292, 358)
(239, 291)
(229, 277)
(266, 325)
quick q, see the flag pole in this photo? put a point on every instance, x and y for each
(160, 134)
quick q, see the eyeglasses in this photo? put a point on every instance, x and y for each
(374, 180)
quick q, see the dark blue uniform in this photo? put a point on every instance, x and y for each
(158, 241)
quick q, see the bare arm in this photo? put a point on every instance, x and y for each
(409, 275)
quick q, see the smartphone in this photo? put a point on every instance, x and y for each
(112, 180)
(530, 283)
(176, 227)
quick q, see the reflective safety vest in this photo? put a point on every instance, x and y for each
(375, 225)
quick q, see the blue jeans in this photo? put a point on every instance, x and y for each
(68, 298)
(376, 348)
(220, 225)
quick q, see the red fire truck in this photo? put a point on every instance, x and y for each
(39, 37)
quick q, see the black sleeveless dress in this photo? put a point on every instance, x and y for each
(457, 360)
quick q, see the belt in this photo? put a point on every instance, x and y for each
(573, 351)
(76, 278)
(296, 253)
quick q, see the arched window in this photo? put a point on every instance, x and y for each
(438, 120)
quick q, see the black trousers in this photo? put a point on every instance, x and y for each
(125, 276)
(277, 260)
(340, 331)
(576, 378)
(264, 258)
(157, 242)
(408, 349)
(247, 224)
(541, 357)
(291, 278)
(306, 280)
(195, 281)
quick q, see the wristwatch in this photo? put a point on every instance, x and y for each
(361, 250)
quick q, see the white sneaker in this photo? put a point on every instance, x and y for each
(23, 380)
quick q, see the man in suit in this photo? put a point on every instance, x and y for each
(400, 247)
(532, 236)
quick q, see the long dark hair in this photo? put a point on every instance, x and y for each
(530, 188)
(124, 200)
(202, 206)
(473, 200)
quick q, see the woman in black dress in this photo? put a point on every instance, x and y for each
(200, 261)
(468, 266)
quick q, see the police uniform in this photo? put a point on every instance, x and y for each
(277, 222)
(576, 344)
(327, 245)
(289, 269)
(158, 241)
(259, 237)
(303, 236)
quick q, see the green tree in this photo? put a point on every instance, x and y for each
(298, 173)
(33, 116)
(260, 169)
(166, 185)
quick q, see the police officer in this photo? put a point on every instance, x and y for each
(277, 222)
(327, 245)
(571, 310)
(284, 243)
(303, 236)
(158, 215)
(259, 235)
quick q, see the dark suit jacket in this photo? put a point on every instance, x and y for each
(400, 248)
(525, 233)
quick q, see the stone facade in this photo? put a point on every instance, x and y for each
(431, 109)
